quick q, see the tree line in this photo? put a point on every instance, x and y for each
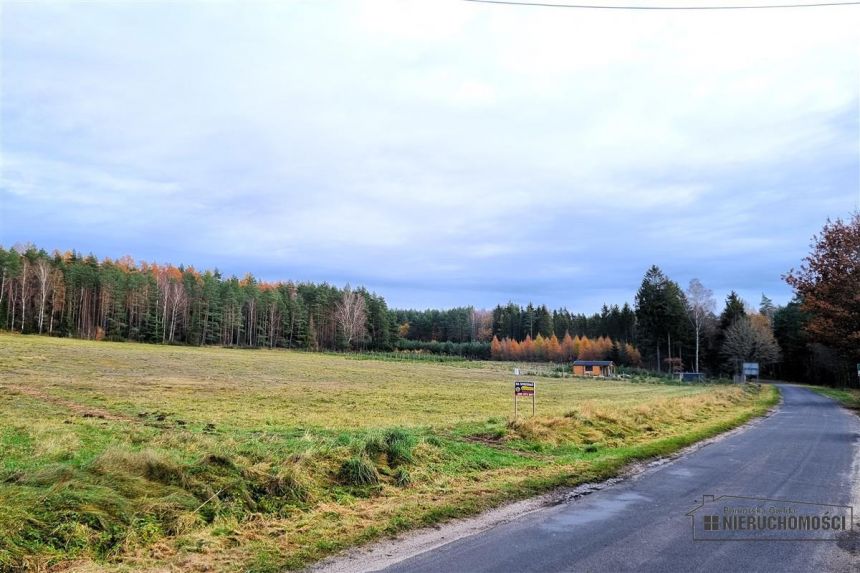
(68, 294)
(677, 329)
(815, 337)
(515, 322)
(71, 294)
(565, 350)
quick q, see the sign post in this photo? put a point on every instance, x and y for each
(524, 388)
(750, 369)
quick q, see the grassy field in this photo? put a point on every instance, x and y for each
(127, 456)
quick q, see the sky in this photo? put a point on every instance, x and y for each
(441, 153)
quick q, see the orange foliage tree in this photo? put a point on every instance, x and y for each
(568, 349)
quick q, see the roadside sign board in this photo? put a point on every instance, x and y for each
(750, 368)
(522, 388)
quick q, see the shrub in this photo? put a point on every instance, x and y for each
(402, 477)
(396, 444)
(358, 470)
(290, 482)
(399, 444)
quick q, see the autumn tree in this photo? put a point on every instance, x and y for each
(527, 348)
(515, 350)
(481, 325)
(631, 355)
(553, 349)
(568, 348)
(828, 287)
(586, 350)
(403, 330)
(496, 348)
(539, 348)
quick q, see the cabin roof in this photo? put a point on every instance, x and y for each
(593, 363)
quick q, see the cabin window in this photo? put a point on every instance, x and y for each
(589, 368)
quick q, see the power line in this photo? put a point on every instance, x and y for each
(622, 7)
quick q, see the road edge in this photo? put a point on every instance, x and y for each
(383, 553)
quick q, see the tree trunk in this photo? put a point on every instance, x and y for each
(12, 305)
(53, 307)
(23, 299)
(669, 347)
(205, 324)
(697, 348)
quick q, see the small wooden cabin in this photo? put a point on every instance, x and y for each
(596, 368)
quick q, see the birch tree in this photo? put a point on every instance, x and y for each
(351, 314)
(58, 297)
(700, 304)
(42, 269)
(178, 299)
(25, 289)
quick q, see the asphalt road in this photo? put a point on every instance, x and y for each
(804, 452)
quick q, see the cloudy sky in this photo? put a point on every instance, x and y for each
(440, 152)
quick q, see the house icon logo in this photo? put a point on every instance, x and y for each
(740, 518)
(712, 522)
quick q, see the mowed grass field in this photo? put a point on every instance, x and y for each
(137, 457)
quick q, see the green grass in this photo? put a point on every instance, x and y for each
(126, 456)
(848, 397)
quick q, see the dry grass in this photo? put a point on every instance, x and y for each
(134, 456)
(258, 388)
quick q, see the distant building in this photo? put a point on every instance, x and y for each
(601, 368)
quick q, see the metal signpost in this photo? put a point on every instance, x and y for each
(524, 388)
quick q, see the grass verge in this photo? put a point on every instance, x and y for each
(848, 397)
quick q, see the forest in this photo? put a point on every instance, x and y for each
(69, 294)
(813, 338)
